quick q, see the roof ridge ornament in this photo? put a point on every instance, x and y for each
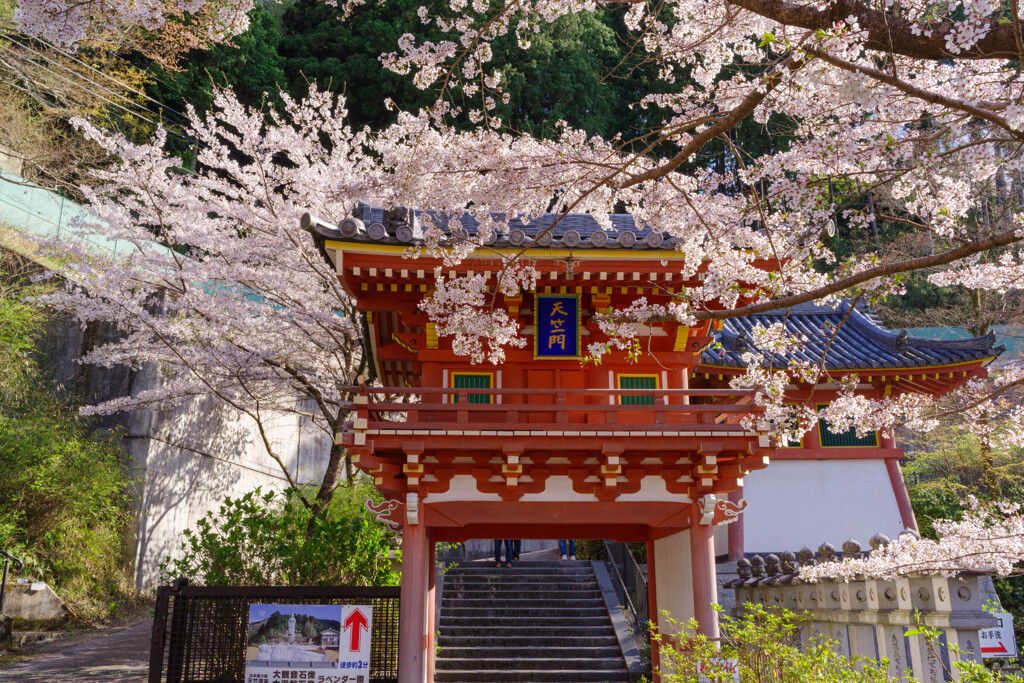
(626, 239)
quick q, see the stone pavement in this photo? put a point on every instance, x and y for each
(118, 654)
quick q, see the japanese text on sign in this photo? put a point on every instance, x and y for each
(310, 643)
(719, 670)
(999, 641)
(557, 329)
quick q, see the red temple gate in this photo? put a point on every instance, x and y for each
(544, 445)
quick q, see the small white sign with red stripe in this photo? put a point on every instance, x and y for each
(999, 641)
(719, 670)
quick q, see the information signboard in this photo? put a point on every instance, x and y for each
(311, 643)
(998, 641)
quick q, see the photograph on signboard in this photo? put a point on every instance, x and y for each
(308, 643)
(294, 634)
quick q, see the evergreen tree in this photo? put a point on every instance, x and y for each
(249, 64)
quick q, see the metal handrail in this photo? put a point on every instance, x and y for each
(3, 584)
(632, 581)
(12, 558)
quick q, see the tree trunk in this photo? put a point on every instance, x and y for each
(988, 464)
(329, 484)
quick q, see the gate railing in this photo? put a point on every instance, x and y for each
(200, 632)
(658, 410)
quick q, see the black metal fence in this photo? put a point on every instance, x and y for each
(199, 632)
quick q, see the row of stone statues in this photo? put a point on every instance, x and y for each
(785, 567)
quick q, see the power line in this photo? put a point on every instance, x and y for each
(124, 85)
(78, 85)
(79, 75)
(75, 84)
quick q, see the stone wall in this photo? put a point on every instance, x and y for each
(185, 460)
(873, 618)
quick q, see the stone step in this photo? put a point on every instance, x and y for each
(457, 628)
(540, 564)
(469, 654)
(537, 606)
(521, 571)
(500, 623)
(507, 593)
(520, 585)
(525, 676)
(504, 610)
(536, 621)
(545, 582)
(444, 663)
(528, 639)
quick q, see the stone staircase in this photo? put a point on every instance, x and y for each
(537, 621)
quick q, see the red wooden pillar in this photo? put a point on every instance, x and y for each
(431, 609)
(735, 530)
(412, 624)
(652, 602)
(705, 587)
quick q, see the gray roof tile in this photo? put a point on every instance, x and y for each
(860, 343)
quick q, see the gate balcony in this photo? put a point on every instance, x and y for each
(476, 419)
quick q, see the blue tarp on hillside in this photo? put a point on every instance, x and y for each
(40, 214)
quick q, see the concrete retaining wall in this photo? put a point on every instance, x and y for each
(186, 459)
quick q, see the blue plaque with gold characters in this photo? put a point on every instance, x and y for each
(557, 328)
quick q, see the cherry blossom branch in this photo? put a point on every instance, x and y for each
(914, 91)
(994, 242)
(885, 33)
(730, 120)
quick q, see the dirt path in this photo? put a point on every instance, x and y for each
(118, 654)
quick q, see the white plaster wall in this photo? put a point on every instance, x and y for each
(192, 457)
(673, 577)
(797, 503)
(721, 536)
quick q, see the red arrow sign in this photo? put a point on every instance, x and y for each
(358, 623)
(1001, 650)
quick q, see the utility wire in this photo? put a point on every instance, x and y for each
(79, 75)
(169, 125)
(122, 84)
(78, 85)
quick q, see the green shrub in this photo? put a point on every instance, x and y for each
(64, 505)
(273, 539)
(766, 643)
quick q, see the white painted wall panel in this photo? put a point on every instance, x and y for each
(797, 503)
(673, 573)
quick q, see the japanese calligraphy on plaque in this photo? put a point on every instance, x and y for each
(557, 328)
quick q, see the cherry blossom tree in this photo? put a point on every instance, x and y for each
(213, 280)
(915, 104)
(988, 540)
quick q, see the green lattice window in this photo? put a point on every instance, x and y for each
(472, 380)
(847, 439)
(637, 382)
